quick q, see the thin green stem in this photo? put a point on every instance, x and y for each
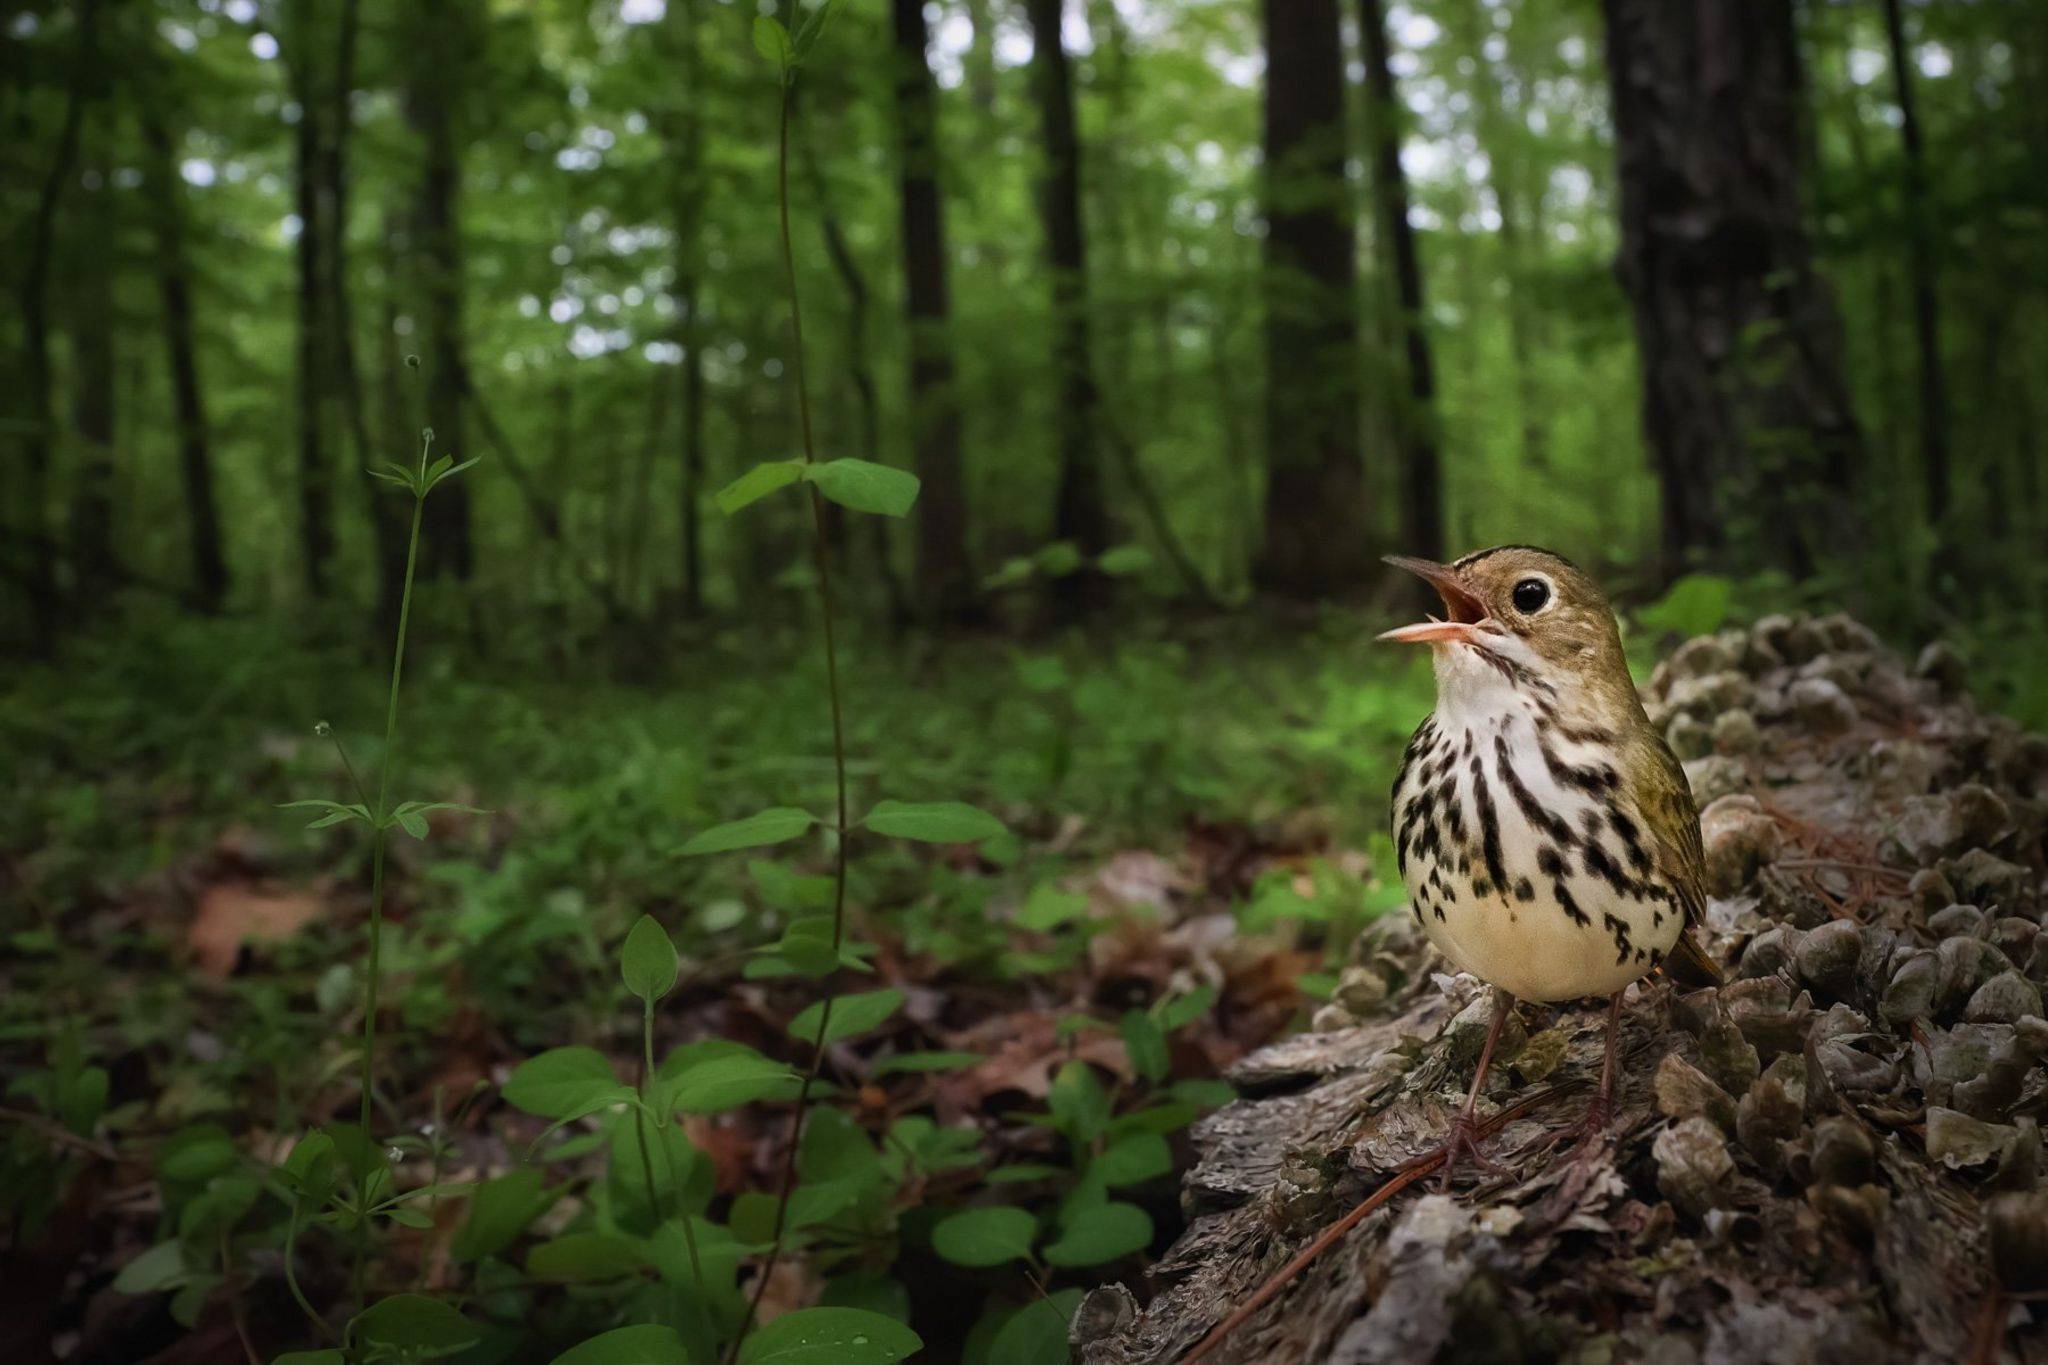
(291, 1275)
(821, 545)
(668, 1155)
(379, 840)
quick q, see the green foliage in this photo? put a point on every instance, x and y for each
(830, 1336)
(985, 1237)
(647, 1344)
(648, 960)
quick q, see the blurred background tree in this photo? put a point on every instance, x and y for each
(1261, 289)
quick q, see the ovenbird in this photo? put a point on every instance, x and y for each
(1546, 833)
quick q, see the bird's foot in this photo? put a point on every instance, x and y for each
(1585, 1136)
(1463, 1143)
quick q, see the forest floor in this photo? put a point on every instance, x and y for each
(1195, 825)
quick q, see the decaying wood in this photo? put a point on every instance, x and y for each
(1833, 1157)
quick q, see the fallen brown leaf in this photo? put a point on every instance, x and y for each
(234, 913)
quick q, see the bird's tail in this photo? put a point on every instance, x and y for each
(1688, 964)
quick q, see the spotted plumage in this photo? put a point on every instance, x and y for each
(1546, 834)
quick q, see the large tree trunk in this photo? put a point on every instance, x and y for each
(1422, 497)
(316, 501)
(1934, 458)
(1078, 513)
(440, 55)
(687, 139)
(188, 402)
(1317, 530)
(1744, 404)
(90, 322)
(944, 575)
(39, 415)
(387, 525)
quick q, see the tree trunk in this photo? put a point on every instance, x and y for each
(39, 419)
(944, 575)
(1078, 513)
(188, 402)
(1317, 530)
(1744, 403)
(1502, 126)
(90, 323)
(1422, 498)
(316, 503)
(1934, 457)
(440, 57)
(387, 526)
(687, 138)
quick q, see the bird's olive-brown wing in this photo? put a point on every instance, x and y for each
(1664, 798)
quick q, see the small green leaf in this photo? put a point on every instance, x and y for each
(499, 1211)
(764, 827)
(763, 479)
(1100, 1233)
(1037, 1332)
(1183, 1010)
(1124, 560)
(830, 1336)
(985, 1237)
(721, 1083)
(580, 1257)
(1048, 907)
(196, 1153)
(1021, 1172)
(1145, 1045)
(644, 1344)
(561, 1081)
(864, 486)
(851, 1014)
(1080, 1107)
(934, 822)
(412, 822)
(1132, 1159)
(648, 960)
(416, 1322)
(160, 1267)
(771, 40)
(330, 1356)
(927, 1061)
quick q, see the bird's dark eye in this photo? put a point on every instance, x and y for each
(1531, 596)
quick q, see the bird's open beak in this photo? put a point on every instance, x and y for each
(1464, 609)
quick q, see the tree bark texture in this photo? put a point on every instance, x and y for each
(315, 486)
(1079, 516)
(944, 575)
(443, 40)
(1422, 496)
(1934, 454)
(39, 415)
(1317, 533)
(1748, 419)
(181, 350)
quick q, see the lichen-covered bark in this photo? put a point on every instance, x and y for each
(1832, 1157)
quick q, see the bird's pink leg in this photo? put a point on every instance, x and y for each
(1463, 1139)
